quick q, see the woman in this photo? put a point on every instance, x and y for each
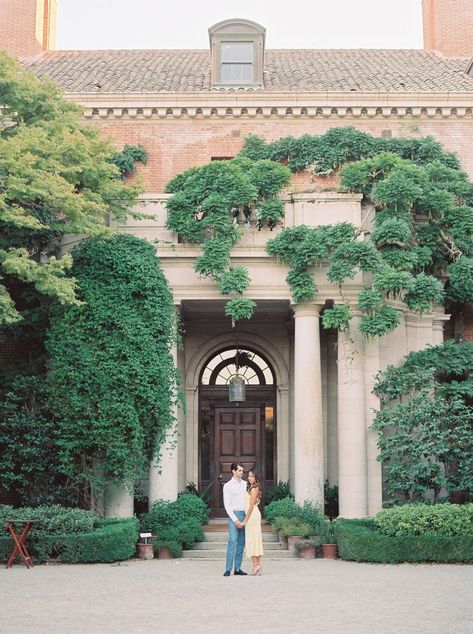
(252, 522)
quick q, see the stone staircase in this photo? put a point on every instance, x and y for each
(214, 545)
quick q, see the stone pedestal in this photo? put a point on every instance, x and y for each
(308, 422)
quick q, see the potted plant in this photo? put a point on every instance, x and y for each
(329, 541)
(145, 546)
(277, 527)
(307, 548)
(295, 530)
(167, 549)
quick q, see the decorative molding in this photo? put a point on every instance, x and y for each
(273, 105)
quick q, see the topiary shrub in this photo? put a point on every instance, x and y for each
(421, 519)
(358, 540)
(109, 540)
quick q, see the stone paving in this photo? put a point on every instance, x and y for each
(192, 596)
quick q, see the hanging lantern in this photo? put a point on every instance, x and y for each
(236, 389)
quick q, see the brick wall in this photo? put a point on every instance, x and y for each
(177, 144)
(27, 27)
(448, 26)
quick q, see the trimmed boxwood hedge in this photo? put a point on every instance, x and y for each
(359, 541)
(111, 540)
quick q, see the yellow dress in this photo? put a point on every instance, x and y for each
(253, 536)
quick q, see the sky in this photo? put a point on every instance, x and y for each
(111, 24)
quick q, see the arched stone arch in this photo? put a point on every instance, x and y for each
(213, 345)
(193, 369)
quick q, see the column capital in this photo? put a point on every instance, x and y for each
(306, 308)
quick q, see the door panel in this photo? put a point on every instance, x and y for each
(237, 439)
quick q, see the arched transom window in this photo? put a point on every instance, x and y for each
(223, 366)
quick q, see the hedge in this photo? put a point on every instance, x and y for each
(112, 540)
(359, 541)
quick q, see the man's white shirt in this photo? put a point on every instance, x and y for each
(234, 497)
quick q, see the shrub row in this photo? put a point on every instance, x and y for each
(111, 540)
(421, 519)
(53, 519)
(358, 540)
(176, 524)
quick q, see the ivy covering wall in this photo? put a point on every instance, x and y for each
(112, 380)
(418, 251)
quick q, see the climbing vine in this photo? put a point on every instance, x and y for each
(127, 159)
(421, 234)
(204, 210)
(111, 372)
(423, 225)
(429, 398)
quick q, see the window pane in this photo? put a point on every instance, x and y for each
(237, 52)
(237, 72)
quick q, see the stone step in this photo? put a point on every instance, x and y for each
(213, 545)
(223, 536)
(220, 555)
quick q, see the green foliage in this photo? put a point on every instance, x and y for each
(111, 377)
(235, 280)
(166, 514)
(279, 491)
(325, 153)
(377, 323)
(110, 540)
(295, 527)
(239, 308)
(428, 399)
(295, 514)
(327, 532)
(29, 462)
(53, 519)
(205, 202)
(285, 507)
(178, 523)
(448, 520)
(56, 178)
(337, 317)
(359, 541)
(127, 158)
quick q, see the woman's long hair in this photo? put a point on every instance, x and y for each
(256, 484)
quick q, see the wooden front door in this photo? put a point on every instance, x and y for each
(237, 439)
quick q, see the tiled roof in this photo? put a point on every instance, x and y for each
(302, 70)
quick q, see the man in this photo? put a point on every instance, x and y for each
(234, 501)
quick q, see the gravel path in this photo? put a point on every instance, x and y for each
(193, 597)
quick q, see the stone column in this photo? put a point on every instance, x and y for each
(118, 501)
(352, 467)
(163, 473)
(308, 452)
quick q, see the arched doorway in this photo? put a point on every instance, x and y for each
(242, 432)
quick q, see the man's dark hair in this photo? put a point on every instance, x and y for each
(234, 466)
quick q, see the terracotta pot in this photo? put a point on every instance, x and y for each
(307, 553)
(329, 551)
(292, 541)
(145, 551)
(164, 553)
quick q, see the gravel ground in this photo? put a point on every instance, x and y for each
(193, 596)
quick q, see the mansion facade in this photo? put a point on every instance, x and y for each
(309, 403)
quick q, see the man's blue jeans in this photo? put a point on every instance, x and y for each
(236, 543)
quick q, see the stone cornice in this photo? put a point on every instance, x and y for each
(275, 105)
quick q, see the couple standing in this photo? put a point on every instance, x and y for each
(241, 501)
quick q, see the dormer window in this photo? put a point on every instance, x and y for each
(237, 53)
(237, 62)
